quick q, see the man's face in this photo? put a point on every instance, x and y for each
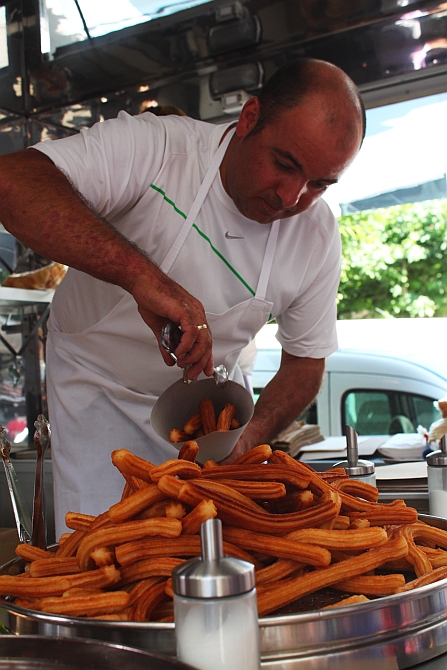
(286, 167)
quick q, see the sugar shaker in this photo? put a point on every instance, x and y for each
(215, 608)
(437, 480)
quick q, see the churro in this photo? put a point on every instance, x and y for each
(36, 587)
(149, 567)
(225, 417)
(371, 585)
(193, 424)
(130, 464)
(278, 546)
(82, 606)
(189, 451)
(186, 545)
(125, 532)
(205, 510)
(50, 567)
(288, 590)
(176, 468)
(135, 503)
(255, 456)
(208, 416)
(176, 436)
(348, 540)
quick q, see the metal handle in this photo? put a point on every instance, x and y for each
(21, 514)
(41, 442)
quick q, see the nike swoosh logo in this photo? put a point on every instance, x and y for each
(234, 237)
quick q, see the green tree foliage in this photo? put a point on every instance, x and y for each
(394, 262)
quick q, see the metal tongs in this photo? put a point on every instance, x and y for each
(170, 339)
(21, 514)
(42, 438)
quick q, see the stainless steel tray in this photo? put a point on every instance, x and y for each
(389, 633)
(59, 653)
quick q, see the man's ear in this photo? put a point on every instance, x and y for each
(248, 118)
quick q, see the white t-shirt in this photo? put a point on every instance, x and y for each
(142, 173)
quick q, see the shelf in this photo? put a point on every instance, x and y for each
(12, 298)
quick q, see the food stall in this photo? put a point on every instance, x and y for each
(201, 60)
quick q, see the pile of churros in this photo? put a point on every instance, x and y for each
(205, 422)
(303, 530)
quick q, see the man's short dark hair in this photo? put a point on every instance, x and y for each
(288, 87)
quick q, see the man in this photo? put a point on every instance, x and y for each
(213, 227)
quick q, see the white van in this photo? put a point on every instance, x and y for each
(375, 392)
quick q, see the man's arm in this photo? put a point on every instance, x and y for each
(293, 388)
(40, 208)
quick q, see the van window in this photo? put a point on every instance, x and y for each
(386, 412)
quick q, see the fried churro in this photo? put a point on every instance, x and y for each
(225, 417)
(288, 590)
(36, 587)
(189, 451)
(255, 456)
(82, 606)
(125, 532)
(135, 503)
(208, 416)
(278, 546)
(132, 465)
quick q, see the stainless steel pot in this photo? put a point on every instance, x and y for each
(394, 632)
(51, 653)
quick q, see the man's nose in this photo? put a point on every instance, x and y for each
(290, 191)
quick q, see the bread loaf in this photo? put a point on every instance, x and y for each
(47, 277)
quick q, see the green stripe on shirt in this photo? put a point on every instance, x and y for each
(205, 237)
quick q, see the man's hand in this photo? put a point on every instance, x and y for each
(293, 388)
(165, 301)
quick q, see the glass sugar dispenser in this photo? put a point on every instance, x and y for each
(437, 480)
(215, 608)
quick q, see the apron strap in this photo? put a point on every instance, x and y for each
(269, 255)
(195, 208)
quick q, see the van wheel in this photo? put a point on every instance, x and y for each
(400, 424)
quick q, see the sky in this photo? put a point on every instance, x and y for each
(405, 145)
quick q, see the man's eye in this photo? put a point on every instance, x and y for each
(320, 185)
(283, 166)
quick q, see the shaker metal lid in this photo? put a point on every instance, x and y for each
(213, 575)
(439, 458)
(353, 466)
(362, 468)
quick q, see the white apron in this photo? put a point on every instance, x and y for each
(103, 382)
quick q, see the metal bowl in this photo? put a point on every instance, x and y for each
(392, 632)
(34, 653)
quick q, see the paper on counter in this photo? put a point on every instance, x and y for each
(335, 447)
(404, 446)
(414, 470)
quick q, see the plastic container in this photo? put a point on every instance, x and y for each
(437, 480)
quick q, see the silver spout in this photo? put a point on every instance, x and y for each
(211, 539)
(352, 447)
